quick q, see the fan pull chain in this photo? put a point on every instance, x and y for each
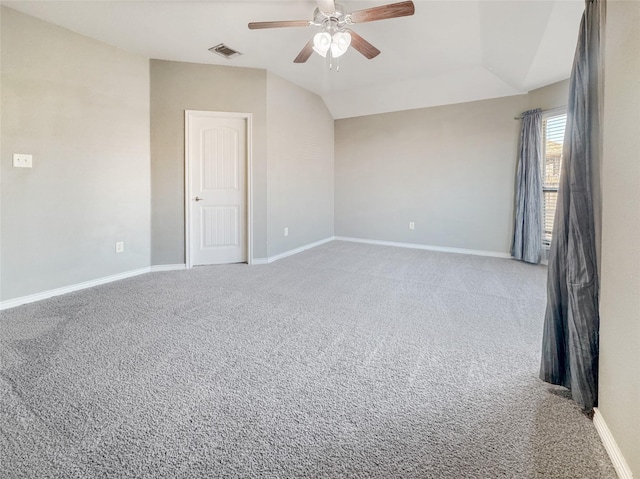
(331, 59)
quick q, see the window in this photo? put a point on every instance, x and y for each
(553, 126)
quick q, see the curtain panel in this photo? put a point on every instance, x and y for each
(527, 228)
(570, 337)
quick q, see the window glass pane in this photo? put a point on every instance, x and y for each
(550, 198)
(554, 127)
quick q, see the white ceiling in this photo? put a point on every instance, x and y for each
(450, 51)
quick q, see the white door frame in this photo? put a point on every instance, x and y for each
(187, 173)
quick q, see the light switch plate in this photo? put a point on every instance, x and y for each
(21, 160)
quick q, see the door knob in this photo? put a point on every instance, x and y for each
(197, 198)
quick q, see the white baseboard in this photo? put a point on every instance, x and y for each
(12, 303)
(168, 267)
(300, 249)
(615, 454)
(444, 249)
(32, 298)
(291, 252)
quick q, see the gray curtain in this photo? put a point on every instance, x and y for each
(570, 341)
(527, 229)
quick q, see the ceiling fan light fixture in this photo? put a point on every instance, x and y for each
(340, 44)
(321, 43)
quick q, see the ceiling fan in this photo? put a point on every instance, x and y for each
(335, 36)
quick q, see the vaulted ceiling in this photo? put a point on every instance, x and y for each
(448, 52)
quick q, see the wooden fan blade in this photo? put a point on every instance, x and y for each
(305, 53)
(393, 10)
(326, 6)
(280, 24)
(363, 46)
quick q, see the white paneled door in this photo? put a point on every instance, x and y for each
(217, 188)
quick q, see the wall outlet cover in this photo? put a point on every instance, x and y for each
(22, 160)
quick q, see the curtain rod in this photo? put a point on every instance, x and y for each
(564, 107)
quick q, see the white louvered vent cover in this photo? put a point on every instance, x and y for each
(224, 51)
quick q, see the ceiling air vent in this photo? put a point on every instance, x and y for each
(224, 51)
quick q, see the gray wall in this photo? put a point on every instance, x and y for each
(81, 108)
(300, 166)
(449, 169)
(619, 400)
(551, 96)
(176, 87)
(292, 154)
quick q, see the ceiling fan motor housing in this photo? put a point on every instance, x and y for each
(333, 21)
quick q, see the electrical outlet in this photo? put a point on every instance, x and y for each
(20, 160)
(286, 231)
(119, 246)
(412, 225)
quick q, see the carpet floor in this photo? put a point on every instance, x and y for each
(347, 360)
